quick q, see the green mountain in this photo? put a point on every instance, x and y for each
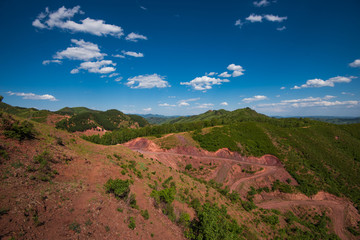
(223, 116)
(28, 113)
(157, 119)
(83, 119)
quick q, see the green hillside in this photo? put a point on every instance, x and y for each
(28, 113)
(75, 110)
(223, 116)
(84, 119)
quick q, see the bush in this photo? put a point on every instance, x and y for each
(20, 131)
(145, 214)
(188, 167)
(120, 188)
(132, 224)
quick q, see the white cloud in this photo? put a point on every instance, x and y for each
(133, 54)
(282, 88)
(147, 109)
(262, 3)
(46, 62)
(143, 8)
(225, 75)
(239, 23)
(33, 96)
(61, 19)
(281, 28)
(273, 18)
(204, 83)
(347, 93)
(185, 102)
(355, 63)
(316, 83)
(84, 51)
(211, 74)
(134, 37)
(255, 98)
(114, 75)
(166, 105)
(254, 18)
(102, 67)
(237, 70)
(147, 81)
(224, 104)
(310, 102)
(74, 71)
(118, 79)
(204, 105)
(118, 56)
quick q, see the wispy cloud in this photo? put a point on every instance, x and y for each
(203, 105)
(166, 105)
(254, 18)
(185, 102)
(147, 109)
(133, 54)
(262, 3)
(33, 96)
(134, 37)
(147, 81)
(317, 83)
(274, 18)
(255, 98)
(281, 28)
(224, 104)
(47, 62)
(61, 18)
(225, 75)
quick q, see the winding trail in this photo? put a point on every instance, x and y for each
(338, 207)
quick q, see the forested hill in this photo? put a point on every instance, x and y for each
(244, 114)
(83, 119)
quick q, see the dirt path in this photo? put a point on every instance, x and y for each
(337, 215)
(338, 208)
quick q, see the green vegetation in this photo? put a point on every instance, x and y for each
(213, 223)
(145, 214)
(75, 226)
(20, 130)
(120, 188)
(132, 224)
(108, 120)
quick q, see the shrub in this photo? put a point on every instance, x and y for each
(132, 224)
(145, 214)
(75, 227)
(20, 131)
(132, 201)
(188, 167)
(120, 188)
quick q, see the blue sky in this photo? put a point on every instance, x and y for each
(282, 58)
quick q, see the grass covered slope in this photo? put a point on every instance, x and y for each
(318, 155)
(67, 188)
(83, 120)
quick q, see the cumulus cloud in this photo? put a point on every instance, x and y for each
(84, 51)
(254, 18)
(33, 96)
(133, 54)
(255, 98)
(204, 83)
(102, 67)
(118, 79)
(134, 37)
(224, 104)
(47, 62)
(237, 70)
(167, 105)
(274, 18)
(61, 18)
(147, 109)
(262, 3)
(225, 75)
(185, 102)
(355, 63)
(317, 83)
(147, 81)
